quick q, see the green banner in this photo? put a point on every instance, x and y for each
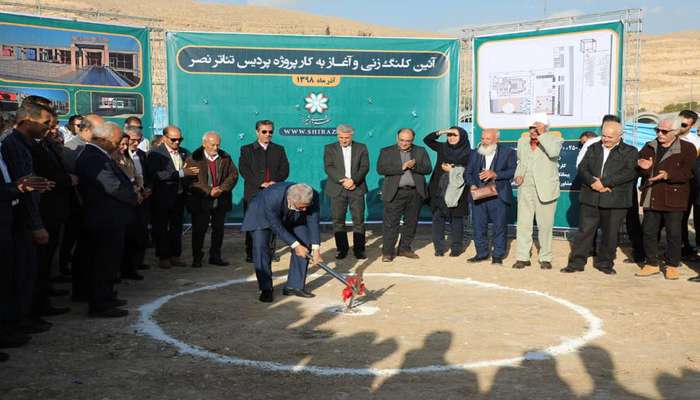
(308, 85)
(82, 67)
(573, 74)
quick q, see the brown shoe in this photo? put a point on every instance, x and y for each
(176, 262)
(408, 254)
(671, 273)
(648, 270)
(164, 263)
(387, 258)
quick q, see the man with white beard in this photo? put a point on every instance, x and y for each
(494, 164)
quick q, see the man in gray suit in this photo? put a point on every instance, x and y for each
(347, 164)
(404, 167)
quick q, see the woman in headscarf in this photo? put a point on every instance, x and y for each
(448, 195)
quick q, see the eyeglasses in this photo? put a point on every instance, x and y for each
(176, 140)
(135, 126)
(452, 135)
(663, 131)
(532, 127)
(684, 125)
(265, 132)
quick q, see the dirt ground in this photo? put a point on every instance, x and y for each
(650, 349)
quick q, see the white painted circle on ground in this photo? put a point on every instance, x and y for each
(594, 329)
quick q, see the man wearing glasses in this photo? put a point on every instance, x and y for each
(261, 164)
(168, 174)
(666, 165)
(537, 178)
(687, 120)
(135, 123)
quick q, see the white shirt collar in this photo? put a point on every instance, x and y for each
(263, 145)
(210, 158)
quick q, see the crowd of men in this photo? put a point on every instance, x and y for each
(93, 195)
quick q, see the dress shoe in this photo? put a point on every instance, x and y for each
(196, 263)
(439, 254)
(53, 292)
(647, 271)
(12, 339)
(571, 269)
(341, 244)
(34, 325)
(521, 264)
(133, 276)
(108, 313)
(671, 273)
(4, 357)
(297, 292)
(477, 259)
(497, 260)
(695, 279)
(53, 311)
(455, 253)
(693, 257)
(114, 303)
(143, 267)
(359, 245)
(164, 263)
(176, 262)
(545, 265)
(386, 258)
(266, 296)
(408, 254)
(218, 261)
(249, 259)
(607, 270)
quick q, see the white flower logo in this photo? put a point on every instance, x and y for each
(316, 103)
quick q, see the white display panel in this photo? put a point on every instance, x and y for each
(573, 77)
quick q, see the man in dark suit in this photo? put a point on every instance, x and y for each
(262, 163)
(347, 164)
(33, 121)
(54, 207)
(139, 229)
(169, 176)
(210, 197)
(291, 211)
(109, 202)
(494, 163)
(607, 172)
(404, 167)
(9, 198)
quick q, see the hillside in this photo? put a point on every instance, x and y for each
(670, 64)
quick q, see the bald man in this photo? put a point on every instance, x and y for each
(608, 173)
(210, 197)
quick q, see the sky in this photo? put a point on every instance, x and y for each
(448, 16)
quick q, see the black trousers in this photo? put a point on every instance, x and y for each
(653, 221)
(103, 253)
(249, 238)
(687, 248)
(200, 223)
(456, 232)
(167, 228)
(135, 240)
(24, 268)
(71, 232)
(609, 221)
(8, 297)
(339, 208)
(634, 227)
(406, 203)
(45, 254)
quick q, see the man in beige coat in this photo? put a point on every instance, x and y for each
(537, 178)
